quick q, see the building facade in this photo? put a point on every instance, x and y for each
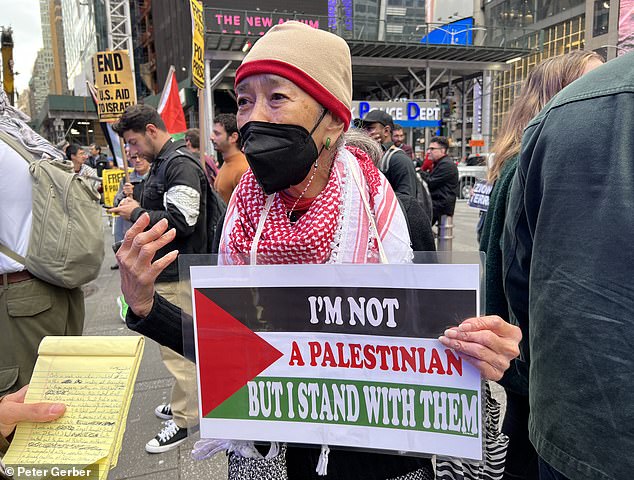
(555, 27)
(44, 63)
(84, 35)
(38, 85)
(391, 41)
(24, 101)
(58, 75)
(389, 20)
(154, 32)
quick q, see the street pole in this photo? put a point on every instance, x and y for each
(427, 97)
(209, 100)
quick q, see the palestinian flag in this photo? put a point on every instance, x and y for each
(170, 107)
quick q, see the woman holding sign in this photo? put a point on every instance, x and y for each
(308, 198)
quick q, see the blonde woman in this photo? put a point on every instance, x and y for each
(542, 83)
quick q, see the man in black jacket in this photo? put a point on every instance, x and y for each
(97, 160)
(176, 190)
(443, 179)
(395, 164)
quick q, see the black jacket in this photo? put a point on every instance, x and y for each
(400, 172)
(443, 187)
(172, 167)
(98, 162)
(418, 224)
(567, 269)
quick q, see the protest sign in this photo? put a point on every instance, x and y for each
(111, 178)
(198, 43)
(338, 355)
(480, 195)
(114, 84)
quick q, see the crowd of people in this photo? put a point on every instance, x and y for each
(557, 285)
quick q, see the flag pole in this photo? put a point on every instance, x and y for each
(166, 86)
(93, 94)
(203, 126)
(124, 155)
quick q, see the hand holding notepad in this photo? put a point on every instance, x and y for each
(94, 377)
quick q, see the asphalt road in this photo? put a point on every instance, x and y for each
(153, 384)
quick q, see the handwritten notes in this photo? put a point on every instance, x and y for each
(94, 377)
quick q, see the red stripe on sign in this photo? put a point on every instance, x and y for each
(229, 353)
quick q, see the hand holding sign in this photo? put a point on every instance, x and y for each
(488, 343)
(128, 189)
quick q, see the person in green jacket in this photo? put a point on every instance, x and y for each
(543, 82)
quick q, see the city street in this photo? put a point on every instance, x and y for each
(143, 104)
(154, 383)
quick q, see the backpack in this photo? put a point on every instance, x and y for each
(66, 246)
(422, 190)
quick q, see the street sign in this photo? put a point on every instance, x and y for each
(198, 44)
(330, 355)
(114, 84)
(412, 113)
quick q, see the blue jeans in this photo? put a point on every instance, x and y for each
(121, 226)
(546, 472)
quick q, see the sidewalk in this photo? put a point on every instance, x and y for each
(153, 386)
(153, 383)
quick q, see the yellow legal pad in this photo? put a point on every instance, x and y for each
(94, 377)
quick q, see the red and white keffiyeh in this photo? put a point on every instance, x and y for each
(335, 229)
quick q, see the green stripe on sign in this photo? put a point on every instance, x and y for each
(366, 404)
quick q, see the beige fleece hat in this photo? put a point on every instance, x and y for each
(315, 60)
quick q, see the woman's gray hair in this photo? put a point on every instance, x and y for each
(357, 137)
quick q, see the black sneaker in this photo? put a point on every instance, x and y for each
(164, 411)
(167, 439)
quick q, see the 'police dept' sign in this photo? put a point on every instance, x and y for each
(413, 113)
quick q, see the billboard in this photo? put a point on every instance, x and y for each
(340, 11)
(314, 7)
(459, 32)
(249, 17)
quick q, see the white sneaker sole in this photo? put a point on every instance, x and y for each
(149, 448)
(161, 415)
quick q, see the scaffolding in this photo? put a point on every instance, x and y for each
(120, 29)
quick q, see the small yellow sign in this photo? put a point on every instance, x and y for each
(114, 83)
(111, 179)
(198, 43)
